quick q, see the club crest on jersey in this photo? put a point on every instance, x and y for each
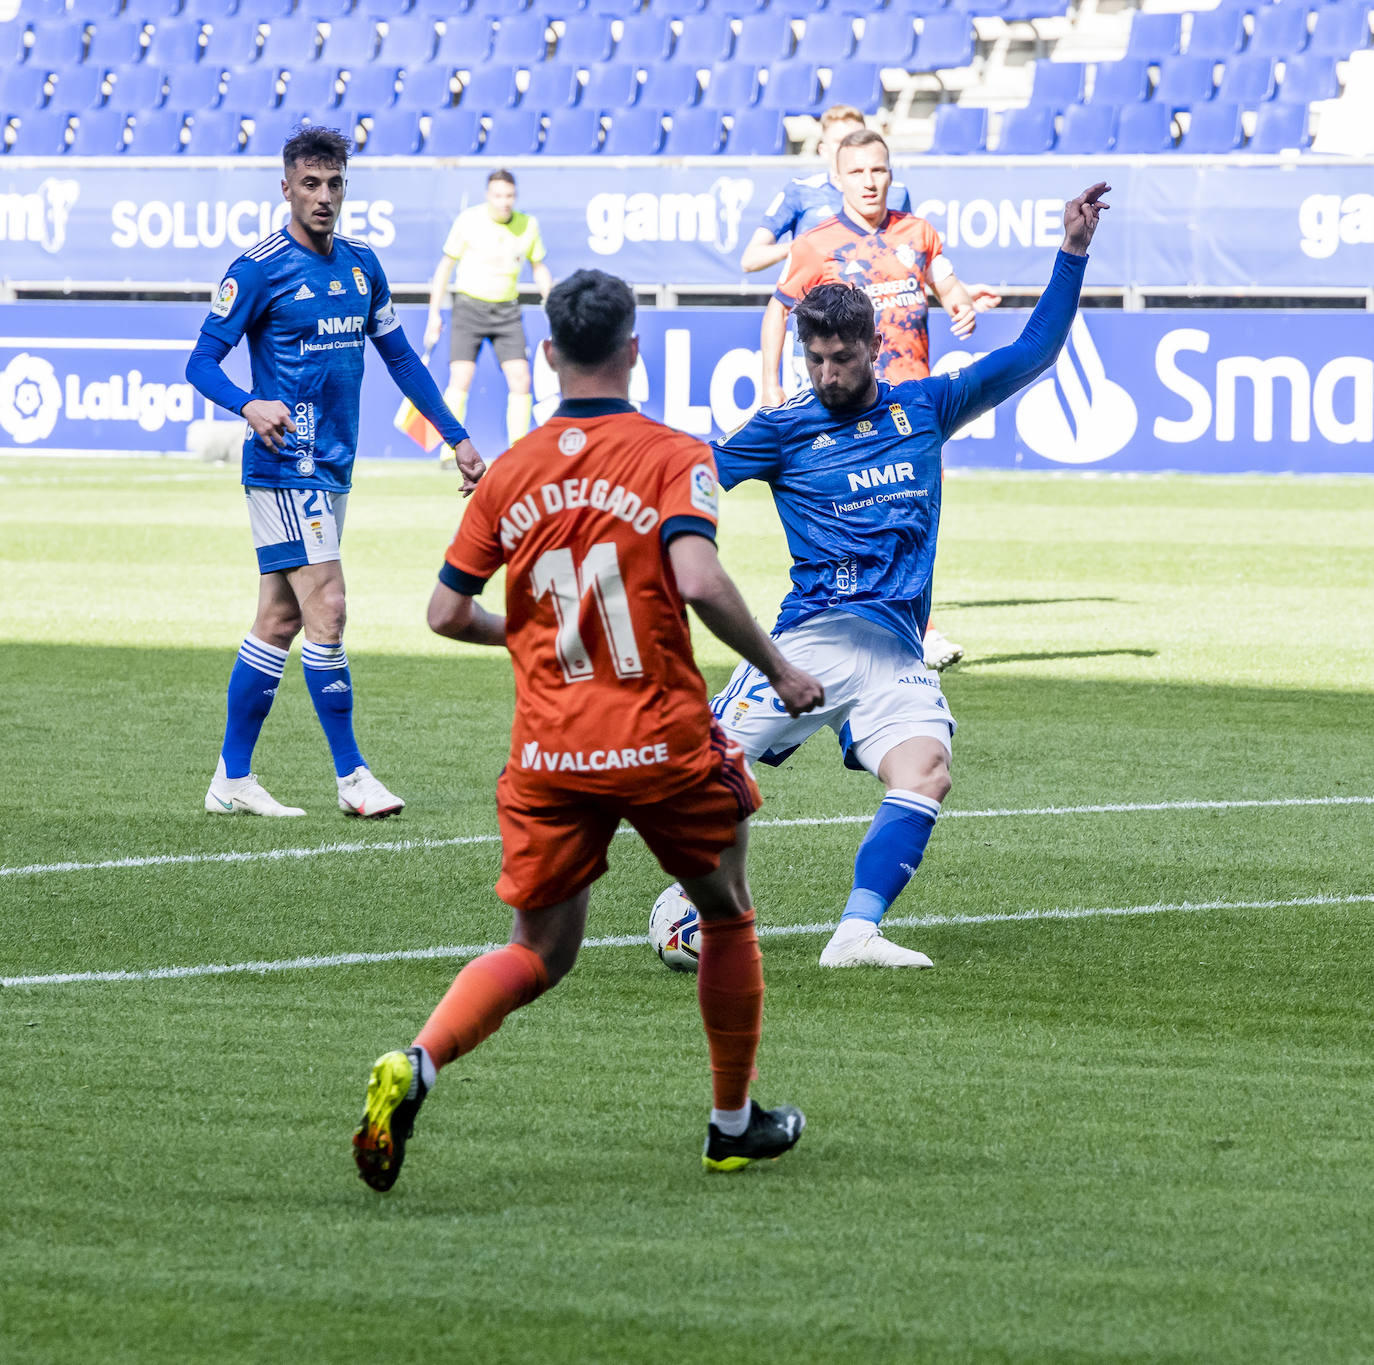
(865, 428)
(906, 253)
(899, 419)
(572, 440)
(821, 441)
(224, 300)
(336, 287)
(303, 293)
(305, 465)
(705, 495)
(359, 279)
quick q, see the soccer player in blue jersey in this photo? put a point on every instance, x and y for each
(306, 298)
(854, 466)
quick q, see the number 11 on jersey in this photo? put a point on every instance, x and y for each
(567, 583)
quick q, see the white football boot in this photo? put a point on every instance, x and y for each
(857, 943)
(939, 652)
(361, 794)
(243, 795)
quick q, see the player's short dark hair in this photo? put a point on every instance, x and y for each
(502, 175)
(308, 144)
(835, 310)
(862, 137)
(591, 316)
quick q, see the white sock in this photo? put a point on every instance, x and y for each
(731, 1122)
(429, 1073)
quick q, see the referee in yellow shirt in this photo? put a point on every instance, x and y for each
(489, 243)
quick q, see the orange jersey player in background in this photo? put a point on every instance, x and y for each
(605, 521)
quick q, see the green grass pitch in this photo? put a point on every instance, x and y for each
(1085, 1136)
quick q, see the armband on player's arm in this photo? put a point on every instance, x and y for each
(416, 382)
(203, 372)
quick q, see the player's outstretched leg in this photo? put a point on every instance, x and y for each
(395, 1091)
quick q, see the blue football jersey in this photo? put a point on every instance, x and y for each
(809, 200)
(307, 318)
(859, 497)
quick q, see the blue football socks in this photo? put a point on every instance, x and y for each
(890, 853)
(331, 689)
(252, 686)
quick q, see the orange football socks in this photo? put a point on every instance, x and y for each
(483, 993)
(730, 993)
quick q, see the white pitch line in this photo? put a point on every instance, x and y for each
(468, 950)
(411, 845)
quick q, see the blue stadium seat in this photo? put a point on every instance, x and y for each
(465, 42)
(1280, 31)
(91, 11)
(292, 42)
(78, 88)
(330, 10)
(551, 86)
(116, 42)
(1279, 127)
(13, 33)
(388, 10)
(490, 88)
(612, 85)
(1027, 132)
(175, 42)
(1056, 85)
(312, 87)
(453, 132)
(268, 11)
(1213, 128)
(792, 88)
(396, 134)
(645, 39)
(371, 89)
(828, 39)
(138, 88)
(155, 11)
(959, 130)
(56, 45)
(1155, 36)
(705, 40)
(1307, 78)
(193, 87)
(215, 132)
(1087, 130)
(731, 87)
(669, 87)
(1185, 81)
(889, 38)
(521, 39)
(409, 41)
(253, 87)
(207, 11)
(756, 132)
(857, 83)
(499, 9)
(427, 89)
(946, 41)
(1123, 82)
(1028, 11)
(586, 40)
(695, 132)
(42, 132)
(1217, 33)
(344, 119)
(616, 9)
(271, 129)
(801, 9)
(231, 42)
(515, 132)
(634, 132)
(1340, 30)
(763, 38)
(573, 132)
(100, 132)
(1142, 128)
(157, 133)
(1248, 79)
(23, 88)
(979, 8)
(351, 41)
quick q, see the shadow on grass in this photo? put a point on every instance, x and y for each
(1058, 654)
(1024, 602)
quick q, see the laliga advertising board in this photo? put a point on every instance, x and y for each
(1200, 391)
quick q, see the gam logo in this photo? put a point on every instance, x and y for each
(712, 216)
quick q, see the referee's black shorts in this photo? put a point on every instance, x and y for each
(476, 321)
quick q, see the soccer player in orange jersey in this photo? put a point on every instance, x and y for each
(605, 521)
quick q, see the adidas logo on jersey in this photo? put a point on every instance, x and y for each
(303, 293)
(337, 686)
(822, 441)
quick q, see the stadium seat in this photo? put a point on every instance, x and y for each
(56, 45)
(762, 38)
(611, 85)
(465, 42)
(889, 38)
(344, 119)
(979, 8)
(1213, 128)
(78, 88)
(959, 130)
(705, 40)
(42, 132)
(13, 33)
(157, 133)
(409, 41)
(1027, 132)
(1142, 128)
(1123, 82)
(292, 42)
(1340, 30)
(1217, 33)
(312, 87)
(521, 39)
(1154, 36)
(193, 87)
(91, 11)
(254, 87)
(388, 10)
(586, 40)
(731, 87)
(266, 11)
(669, 87)
(231, 42)
(1279, 128)
(23, 88)
(792, 88)
(617, 9)
(453, 132)
(351, 41)
(271, 129)
(207, 11)
(175, 42)
(396, 134)
(371, 89)
(138, 88)
(490, 88)
(515, 132)
(1280, 31)
(100, 132)
(1185, 81)
(215, 132)
(1056, 85)
(856, 83)
(330, 10)
(1248, 79)
(551, 86)
(427, 89)
(646, 39)
(1028, 11)
(1307, 78)
(946, 41)
(634, 132)
(694, 132)
(1087, 130)
(828, 39)
(573, 132)
(756, 132)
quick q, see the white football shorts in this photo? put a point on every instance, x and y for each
(295, 526)
(878, 694)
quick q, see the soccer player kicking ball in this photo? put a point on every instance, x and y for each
(605, 521)
(307, 299)
(854, 465)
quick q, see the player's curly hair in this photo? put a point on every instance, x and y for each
(311, 143)
(835, 310)
(591, 316)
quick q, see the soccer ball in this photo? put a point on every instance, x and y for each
(675, 930)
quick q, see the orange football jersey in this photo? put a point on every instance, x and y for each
(890, 265)
(608, 697)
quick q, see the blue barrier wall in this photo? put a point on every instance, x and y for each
(1201, 391)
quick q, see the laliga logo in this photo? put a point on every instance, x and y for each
(1073, 418)
(30, 398)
